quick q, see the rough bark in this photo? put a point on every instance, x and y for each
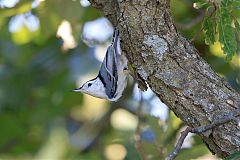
(173, 69)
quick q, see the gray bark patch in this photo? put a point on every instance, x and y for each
(157, 44)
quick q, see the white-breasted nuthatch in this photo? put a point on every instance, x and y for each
(112, 77)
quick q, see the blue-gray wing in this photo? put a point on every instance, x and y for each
(108, 73)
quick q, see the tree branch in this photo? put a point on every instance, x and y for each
(172, 68)
(201, 129)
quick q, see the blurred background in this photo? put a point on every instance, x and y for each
(48, 48)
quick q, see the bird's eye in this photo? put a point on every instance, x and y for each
(89, 84)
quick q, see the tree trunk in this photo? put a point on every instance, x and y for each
(173, 69)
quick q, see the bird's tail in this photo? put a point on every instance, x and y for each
(116, 44)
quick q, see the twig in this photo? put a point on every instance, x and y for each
(200, 30)
(179, 143)
(229, 117)
(201, 129)
(138, 140)
(192, 23)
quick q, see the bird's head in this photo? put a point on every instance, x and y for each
(94, 88)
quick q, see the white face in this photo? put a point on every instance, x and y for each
(86, 86)
(94, 88)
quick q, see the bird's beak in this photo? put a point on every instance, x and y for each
(77, 90)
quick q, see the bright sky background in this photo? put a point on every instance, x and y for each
(8, 3)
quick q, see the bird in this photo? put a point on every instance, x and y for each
(112, 76)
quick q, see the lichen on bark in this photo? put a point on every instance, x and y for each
(173, 69)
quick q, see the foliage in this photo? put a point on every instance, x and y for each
(217, 25)
(40, 118)
(234, 156)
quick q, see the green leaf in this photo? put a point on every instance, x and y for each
(237, 26)
(237, 33)
(225, 3)
(226, 34)
(209, 30)
(234, 156)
